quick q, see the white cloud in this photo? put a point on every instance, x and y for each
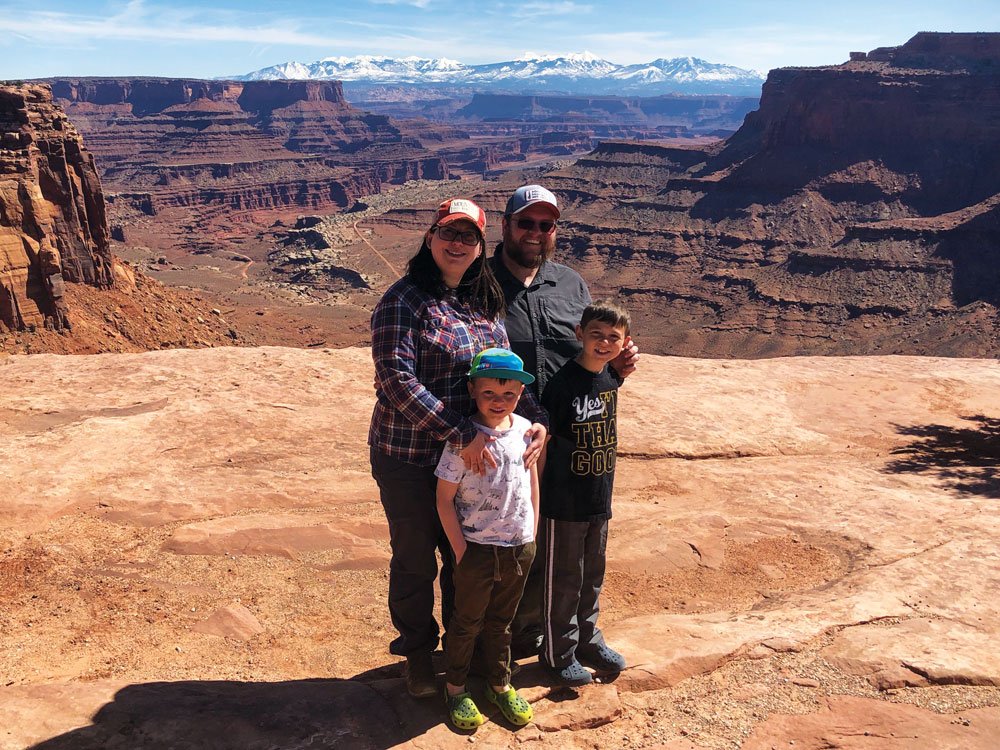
(757, 48)
(415, 3)
(541, 9)
(137, 23)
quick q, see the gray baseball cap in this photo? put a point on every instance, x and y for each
(529, 195)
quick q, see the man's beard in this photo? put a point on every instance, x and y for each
(529, 258)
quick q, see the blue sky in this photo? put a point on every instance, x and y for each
(213, 38)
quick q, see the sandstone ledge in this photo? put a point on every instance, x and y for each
(187, 528)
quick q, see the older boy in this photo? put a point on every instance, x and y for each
(490, 521)
(579, 474)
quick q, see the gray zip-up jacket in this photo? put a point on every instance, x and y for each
(542, 317)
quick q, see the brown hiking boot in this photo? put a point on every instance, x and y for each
(419, 674)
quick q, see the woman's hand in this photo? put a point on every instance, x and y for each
(537, 433)
(476, 455)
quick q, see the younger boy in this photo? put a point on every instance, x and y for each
(581, 400)
(491, 521)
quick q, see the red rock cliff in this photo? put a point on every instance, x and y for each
(857, 211)
(928, 109)
(53, 227)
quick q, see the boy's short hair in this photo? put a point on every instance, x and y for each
(607, 311)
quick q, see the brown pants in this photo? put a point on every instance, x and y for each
(488, 585)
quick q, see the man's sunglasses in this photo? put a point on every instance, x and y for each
(448, 234)
(529, 225)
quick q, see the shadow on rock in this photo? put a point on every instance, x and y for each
(966, 459)
(225, 715)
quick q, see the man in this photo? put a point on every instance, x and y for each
(545, 300)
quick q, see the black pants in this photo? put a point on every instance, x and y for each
(526, 628)
(574, 556)
(408, 494)
(488, 585)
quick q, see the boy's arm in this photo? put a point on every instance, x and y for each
(535, 495)
(449, 518)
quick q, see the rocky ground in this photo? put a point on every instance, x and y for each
(803, 555)
(137, 314)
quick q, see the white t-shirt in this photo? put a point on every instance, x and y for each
(495, 508)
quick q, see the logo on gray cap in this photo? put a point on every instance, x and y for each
(528, 195)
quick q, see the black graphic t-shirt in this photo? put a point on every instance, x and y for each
(580, 468)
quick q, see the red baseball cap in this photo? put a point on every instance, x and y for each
(454, 209)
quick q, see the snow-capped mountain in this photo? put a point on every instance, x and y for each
(365, 68)
(685, 69)
(582, 73)
(583, 65)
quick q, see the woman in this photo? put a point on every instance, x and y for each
(425, 331)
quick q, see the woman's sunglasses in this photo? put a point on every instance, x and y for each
(529, 225)
(448, 234)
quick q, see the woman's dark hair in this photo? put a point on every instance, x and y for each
(479, 288)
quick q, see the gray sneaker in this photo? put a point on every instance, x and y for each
(603, 658)
(572, 675)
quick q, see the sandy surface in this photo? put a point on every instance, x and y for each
(192, 554)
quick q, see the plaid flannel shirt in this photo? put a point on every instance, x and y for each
(422, 347)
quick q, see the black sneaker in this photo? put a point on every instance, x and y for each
(572, 675)
(603, 658)
(525, 647)
(419, 674)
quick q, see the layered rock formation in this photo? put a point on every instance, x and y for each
(164, 143)
(53, 227)
(856, 211)
(609, 116)
(580, 121)
(272, 145)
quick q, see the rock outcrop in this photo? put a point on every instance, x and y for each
(192, 554)
(857, 211)
(53, 227)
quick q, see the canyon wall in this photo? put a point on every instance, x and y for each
(611, 116)
(857, 211)
(53, 227)
(235, 146)
(274, 145)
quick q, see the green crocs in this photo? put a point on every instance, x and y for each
(462, 711)
(514, 708)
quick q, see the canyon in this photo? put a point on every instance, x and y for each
(855, 211)
(660, 118)
(61, 287)
(204, 180)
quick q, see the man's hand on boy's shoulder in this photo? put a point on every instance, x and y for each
(624, 364)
